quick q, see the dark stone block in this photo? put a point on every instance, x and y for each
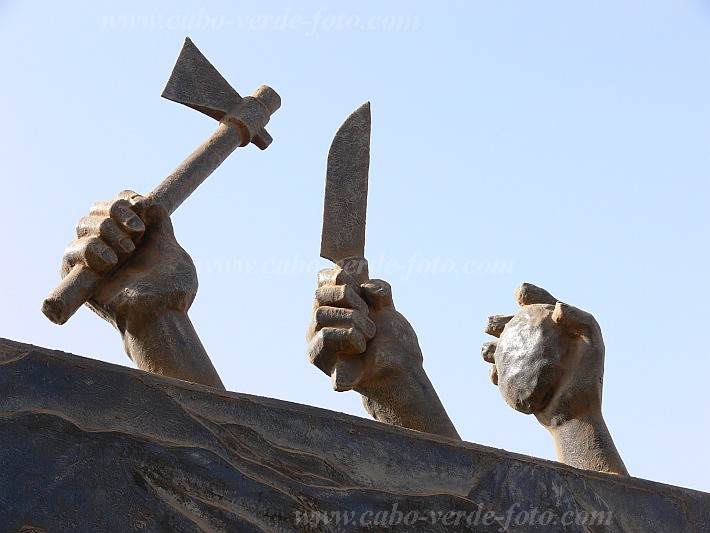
(90, 446)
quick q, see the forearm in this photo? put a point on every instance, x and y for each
(588, 444)
(410, 401)
(168, 345)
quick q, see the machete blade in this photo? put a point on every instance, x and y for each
(345, 205)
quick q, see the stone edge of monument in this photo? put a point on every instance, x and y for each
(371, 463)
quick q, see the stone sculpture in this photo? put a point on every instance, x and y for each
(87, 446)
(356, 335)
(126, 263)
(549, 362)
(550, 359)
(128, 267)
(197, 84)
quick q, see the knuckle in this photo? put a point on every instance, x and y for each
(357, 341)
(319, 295)
(98, 206)
(342, 277)
(69, 255)
(329, 294)
(338, 292)
(353, 299)
(314, 348)
(358, 318)
(348, 292)
(381, 286)
(119, 208)
(100, 257)
(106, 227)
(493, 375)
(83, 226)
(320, 317)
(127, 194)
(120, 203)
(488, 352)
(325, 276)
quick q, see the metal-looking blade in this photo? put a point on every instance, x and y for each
(345, 205)
(195, 82)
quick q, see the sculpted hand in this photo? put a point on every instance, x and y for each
(358, 338)
(345, 317)
(148, 285)
(130, 242)
(549, 361)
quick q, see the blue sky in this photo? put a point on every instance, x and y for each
(559, 143)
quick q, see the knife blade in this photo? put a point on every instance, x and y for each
(345, 204)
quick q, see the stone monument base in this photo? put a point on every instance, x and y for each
(90, 446)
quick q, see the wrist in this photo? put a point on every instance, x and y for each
(408, 399)
(167, 344)
(585, 442)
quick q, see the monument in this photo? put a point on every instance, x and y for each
(89, 446)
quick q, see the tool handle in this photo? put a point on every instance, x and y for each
(81, 283)
(198, 166)
(74, 289)
(247, 125)
(358, 269)
(348, 369)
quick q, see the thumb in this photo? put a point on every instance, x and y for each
(151, 211)
(377, 293)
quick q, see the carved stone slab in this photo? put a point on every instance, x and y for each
(90, 446)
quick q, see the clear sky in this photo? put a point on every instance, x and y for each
(561, 143)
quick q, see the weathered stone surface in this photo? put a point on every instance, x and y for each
(89, 446)
(197, 84)
(549, 362)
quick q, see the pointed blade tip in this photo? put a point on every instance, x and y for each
(364, 109)
(346, 188)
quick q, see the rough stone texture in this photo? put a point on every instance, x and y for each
(550, 362)
(197, 84)
(89, 446)
(345, 204)
(358, 338)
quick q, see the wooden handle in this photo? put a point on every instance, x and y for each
(81, 283)
(74, 289)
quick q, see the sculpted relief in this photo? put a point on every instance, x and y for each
(128, 267)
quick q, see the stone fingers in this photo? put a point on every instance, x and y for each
(488, 353)
(341, 296)
(336, 317)
(496, 324)
(339, 307)
(329, 343)
(121, 213)
(108, 230)
(106, 236)
(336, 276)
(577, 321)
(493, 374)
(340, 326)
(91, 252)
(528, 294)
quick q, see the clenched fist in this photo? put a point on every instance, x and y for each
(358, 338)
(549, 361)
(130, 242)
(148, 282)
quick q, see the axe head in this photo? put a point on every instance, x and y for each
(195, 83)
